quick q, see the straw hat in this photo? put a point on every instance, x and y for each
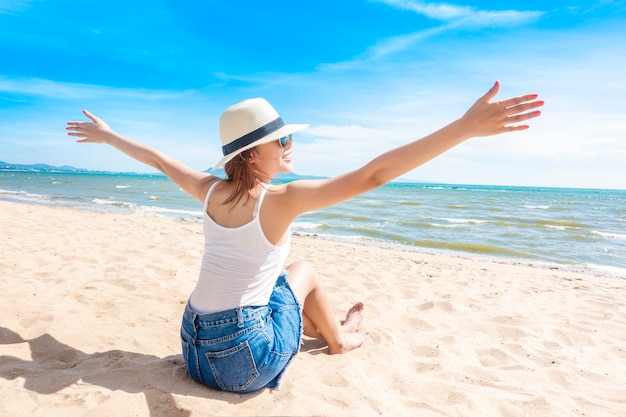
(248, 124)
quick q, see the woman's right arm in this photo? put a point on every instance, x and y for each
(191, 181)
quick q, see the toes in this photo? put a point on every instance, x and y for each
(356, 307)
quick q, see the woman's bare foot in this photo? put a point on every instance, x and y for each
(353, 318)
(350, 335)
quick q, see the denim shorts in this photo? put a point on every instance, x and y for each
(244, 349)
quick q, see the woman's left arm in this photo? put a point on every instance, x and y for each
(484, 118)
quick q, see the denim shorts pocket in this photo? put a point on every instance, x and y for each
(234, 369)
(191, 361)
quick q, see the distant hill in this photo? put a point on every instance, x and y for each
(39, 167)
(219, 172)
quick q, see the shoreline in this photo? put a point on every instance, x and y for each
(90, 309)
(595, 270)
(568, 227)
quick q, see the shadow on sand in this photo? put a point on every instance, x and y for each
(55, 366)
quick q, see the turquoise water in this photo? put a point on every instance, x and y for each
(580, 228)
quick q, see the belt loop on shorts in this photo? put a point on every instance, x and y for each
(194, 320)
(240, 322)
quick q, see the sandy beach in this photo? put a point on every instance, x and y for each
(90, 308)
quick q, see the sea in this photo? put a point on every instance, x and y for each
(565, 228)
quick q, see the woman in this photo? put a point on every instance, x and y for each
(244, 320)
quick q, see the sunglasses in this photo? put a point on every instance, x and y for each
(283, 141)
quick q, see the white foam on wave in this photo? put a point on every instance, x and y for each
(25, 197)
(170, 211)
(549, 226)
(609, 235)
(445, 226)
(305, 225)
(464, 221)
(607, 270)
(114, 203)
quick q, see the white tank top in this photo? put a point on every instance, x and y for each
(239, 266)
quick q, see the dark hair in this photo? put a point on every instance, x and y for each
(240, 173)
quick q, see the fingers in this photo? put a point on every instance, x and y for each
(515, 104)
(514, 101)
(79, 125)
(493, 91)
(91, 116)
(75, 126)
(95, 130)
(518, 111)
(522, 117)
(77, 134)
(76, 129)
(510, 123)
(514, 128)
(84, 130)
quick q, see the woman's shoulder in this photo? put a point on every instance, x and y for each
(205, 184)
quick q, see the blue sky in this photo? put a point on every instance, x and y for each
(366, 76)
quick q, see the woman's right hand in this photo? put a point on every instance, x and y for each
(96, 131)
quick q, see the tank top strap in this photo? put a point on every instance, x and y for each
(259, 201)
(206, 199)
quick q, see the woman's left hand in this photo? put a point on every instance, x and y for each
(486, 118)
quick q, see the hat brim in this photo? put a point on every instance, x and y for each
(283, 131)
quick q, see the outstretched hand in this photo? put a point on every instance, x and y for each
(96, 131)
(486, 118)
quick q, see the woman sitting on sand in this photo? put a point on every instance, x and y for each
(243, 322)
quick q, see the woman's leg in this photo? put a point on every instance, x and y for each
(318, 319)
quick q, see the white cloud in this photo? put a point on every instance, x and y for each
(10, 6)
(383, 49)
(45, 88)
(54, 89)
(468, 15)
(456, 17)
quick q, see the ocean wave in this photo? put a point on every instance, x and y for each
(446, 226)
(609, 235)
(20, 194)
(170, 211)
(417, 224)
(465, 221)
(472, 247)
(114, 203)
(607, 270)
(563, 228)
(346, 216)
(299, 225)
(541, 223)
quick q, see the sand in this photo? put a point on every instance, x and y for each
(90, 307)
